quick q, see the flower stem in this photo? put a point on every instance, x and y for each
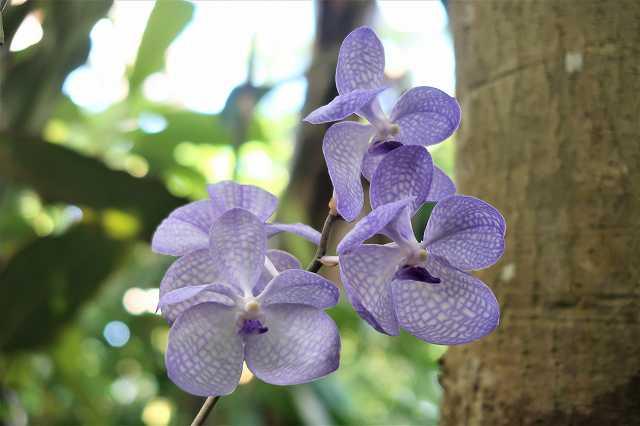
(206, 408)
(316, 264)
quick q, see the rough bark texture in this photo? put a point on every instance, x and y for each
(551, 136)
(310, 189)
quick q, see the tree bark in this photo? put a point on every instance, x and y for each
(551, 135)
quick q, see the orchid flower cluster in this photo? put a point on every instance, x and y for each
(230, 299)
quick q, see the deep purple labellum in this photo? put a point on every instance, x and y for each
(416, 273)
(252, 326)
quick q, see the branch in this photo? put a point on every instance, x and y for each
(316, 264)
(206, 408)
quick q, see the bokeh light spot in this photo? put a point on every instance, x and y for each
(116, 333)
(29, 33)
(157, 412)
(138, 301)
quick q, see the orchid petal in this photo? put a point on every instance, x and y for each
(176, 237)
(376, 152)
(344, 147)
(301, 344)
(405, 172)
(188, 293)
(343, 106)
(228, 195)
(282, 261)
(193, 269)
(426, 116)
(459, 309)
(238, 245)
(466, 231)
(441, 186)
(366, 273)
(372, 224)
(205, 352)
(360, 61)
(300, 287)
(300, 229)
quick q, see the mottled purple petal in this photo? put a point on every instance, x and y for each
(400, 231)
(195, 268)
(343, 106)
(301, 287)
(238, 245)
(176, 238)
(344, 147)
(441, 186)
(228, 195)
(360, 61)
(376, 152)
(281, 261)
(466, 231)
(426, 116)
(366, 274)
(404, 172)
(371, 224)
(198, 213)
(300, 229)
(204, 356)
(459, 309)
(188, 293)
(302, 344)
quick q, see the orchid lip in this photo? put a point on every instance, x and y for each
(252, 326)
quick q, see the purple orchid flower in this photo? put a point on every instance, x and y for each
(281, 330)
(422, 116)
(186, 230)
(422, 287)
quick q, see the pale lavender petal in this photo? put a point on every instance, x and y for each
(176, 238)
(404, 172)
(426, 116)
(375, 153)
(193, 269)
(197, 213)
(366, 274)
(238, 245)
(188, 293)
(373, 113)
(343, 106)
(204, 356)
(360, 61)
(281, 261)
(300, 229)
(344, 147)
(400, 230)
(302, 344)
(371, 224)
(459, 309)
(466, 231)
(441, 186)
(228, 195)
(301, 287)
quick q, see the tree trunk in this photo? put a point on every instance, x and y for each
(550, 92)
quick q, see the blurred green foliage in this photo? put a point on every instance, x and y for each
(80, 195)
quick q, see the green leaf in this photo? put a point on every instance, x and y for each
(61, 175)
(167, 20)
(47, 281)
